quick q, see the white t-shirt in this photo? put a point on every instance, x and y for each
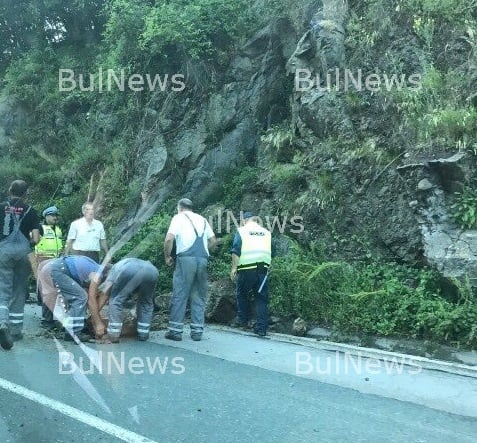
(86, 236)
(181, 228)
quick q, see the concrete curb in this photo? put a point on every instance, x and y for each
(410, 360)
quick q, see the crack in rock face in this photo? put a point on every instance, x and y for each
(453, 251)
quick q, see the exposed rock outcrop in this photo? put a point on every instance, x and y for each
(452, 250)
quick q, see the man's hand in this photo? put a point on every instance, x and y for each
(99, 329)
(169, 261)
(235, 262)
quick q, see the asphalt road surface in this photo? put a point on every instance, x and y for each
(228, 387)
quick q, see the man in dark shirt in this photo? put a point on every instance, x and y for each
(18, 220)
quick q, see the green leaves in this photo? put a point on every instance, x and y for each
(376, 298)
(464, 210)
(199, 29)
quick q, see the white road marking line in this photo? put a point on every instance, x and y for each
(75, 414)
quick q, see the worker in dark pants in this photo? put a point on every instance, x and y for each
(251, 258)
(127, 277)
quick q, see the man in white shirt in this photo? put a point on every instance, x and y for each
(86, 235)
(194, 237)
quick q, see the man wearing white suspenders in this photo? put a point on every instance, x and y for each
(194, 237)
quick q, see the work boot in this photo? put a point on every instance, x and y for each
(196, 337)
(173, 336)
(260, 332)
(6, 341)
(143, 337)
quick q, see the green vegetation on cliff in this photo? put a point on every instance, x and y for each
(85, 140)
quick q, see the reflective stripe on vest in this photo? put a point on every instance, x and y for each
(50, 243)
(256, 246)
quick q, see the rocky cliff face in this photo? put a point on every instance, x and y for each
(451, 250)
(222, 132)
(192, 143)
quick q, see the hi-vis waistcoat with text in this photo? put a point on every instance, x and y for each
(50, 244)
(256, 246)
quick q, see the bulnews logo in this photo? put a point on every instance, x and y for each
(226, 222)
(347, 363)
(111, 363)
(346, 79)
(106, 81)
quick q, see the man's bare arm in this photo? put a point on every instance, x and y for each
(94, 306)
(168, 243)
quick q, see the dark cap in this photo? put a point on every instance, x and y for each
(52, 210)
(248, 214)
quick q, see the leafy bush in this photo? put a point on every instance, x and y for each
(220, 259)
(320, 192)
(376, 298)
(287, 177)
(197, 28)
(235, 187)
(449, 10)
(276, 139)
(449, 123)
(464, 210)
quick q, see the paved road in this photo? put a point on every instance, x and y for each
(229, 387)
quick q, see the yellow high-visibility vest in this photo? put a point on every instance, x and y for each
(51, 243)
(256, 246)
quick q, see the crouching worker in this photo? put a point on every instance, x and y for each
(127, 277)
(68, 284)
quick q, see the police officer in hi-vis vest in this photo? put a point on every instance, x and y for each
(251, 258)
(50, 246)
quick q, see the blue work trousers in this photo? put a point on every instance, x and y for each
(140, 278)
(189, 282)
(14, 275)
(72, 292)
